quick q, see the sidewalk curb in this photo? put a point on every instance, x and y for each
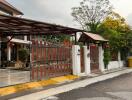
(75, 85)
(5, 91)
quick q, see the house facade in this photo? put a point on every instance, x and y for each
(11, 45)
(47, 59)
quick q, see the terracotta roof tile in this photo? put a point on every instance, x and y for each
(95, 37)
(85, 37)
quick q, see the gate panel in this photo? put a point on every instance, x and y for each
(50, 59)
(82, 59)
(94, 58)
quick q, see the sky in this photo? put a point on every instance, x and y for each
(59, 11)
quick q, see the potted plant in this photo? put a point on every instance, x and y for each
(23, 55)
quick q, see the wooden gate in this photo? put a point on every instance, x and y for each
(50, 59)
(94, 58)
(82, 59)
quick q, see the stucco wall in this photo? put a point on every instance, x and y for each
(115, 64)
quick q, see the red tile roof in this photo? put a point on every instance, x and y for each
(95, 37)
(85, 37)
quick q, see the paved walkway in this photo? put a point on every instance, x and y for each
(42, 95)
(12, 77)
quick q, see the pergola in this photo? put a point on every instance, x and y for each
(12, 26)
(56, 55)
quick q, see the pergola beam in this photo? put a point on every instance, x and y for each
(22, 33)
(21, 26)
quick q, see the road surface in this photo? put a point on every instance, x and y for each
(119, 88)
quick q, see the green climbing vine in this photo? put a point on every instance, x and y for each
(106, 57)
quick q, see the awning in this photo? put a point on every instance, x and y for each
(20, 26)
(20, 41)
(90, 37)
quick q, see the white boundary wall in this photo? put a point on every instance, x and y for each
(115, 64)
(76, 62)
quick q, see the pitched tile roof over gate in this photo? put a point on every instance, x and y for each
(85, 37)
(8, 8)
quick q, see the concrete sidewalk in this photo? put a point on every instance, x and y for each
(82, 83)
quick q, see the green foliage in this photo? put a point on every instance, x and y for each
(114, 22)
(56, 38)
(115, 29)
(23, 54)
(106, 57)
(128, 36)
(92, 27)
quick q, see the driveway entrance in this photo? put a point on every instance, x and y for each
(50, 59)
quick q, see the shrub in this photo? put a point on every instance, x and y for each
(106, 57)
(23, 54)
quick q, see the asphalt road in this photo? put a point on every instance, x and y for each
(119, 88)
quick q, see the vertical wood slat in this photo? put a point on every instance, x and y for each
(45, 58)
(37, 60)
(41, 67)
(44, 54)
(32, 69)
(51, 60)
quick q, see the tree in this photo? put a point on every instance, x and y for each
(117, 31)
(91, 12)
(106, 57)
(114, 22)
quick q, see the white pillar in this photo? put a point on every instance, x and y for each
(87, 60)
(9, 50)
(119, 59)
(76, 65)
(9, 53)
(25, 38)
(101, 57)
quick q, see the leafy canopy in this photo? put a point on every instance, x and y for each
(115, 29)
